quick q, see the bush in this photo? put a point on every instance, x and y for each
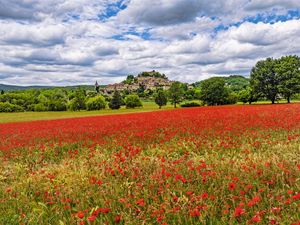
(76, 104)
(96, 103)
(116, 101)
(57, 105)
(132, 101)
(40, 107)
(190, 104)
(8, 107)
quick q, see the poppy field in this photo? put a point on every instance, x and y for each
(206, 165)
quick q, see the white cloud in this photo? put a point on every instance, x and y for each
(65, 42)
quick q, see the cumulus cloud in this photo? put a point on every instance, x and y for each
(62, 42)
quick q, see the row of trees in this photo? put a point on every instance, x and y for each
(276, 78)
(270, 79)
(62, 100)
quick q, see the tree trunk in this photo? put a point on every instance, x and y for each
(175, 105)
(289, 99)
(160, 107)
(273, 101)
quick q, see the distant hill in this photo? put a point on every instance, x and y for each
(6, 87)
(235, 82)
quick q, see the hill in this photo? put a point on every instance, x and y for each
(234, 82)
(6, 87)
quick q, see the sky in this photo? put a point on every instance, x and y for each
(70, 42)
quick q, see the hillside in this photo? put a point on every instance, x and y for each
(144, 81)
(6, 87)
(235, 82)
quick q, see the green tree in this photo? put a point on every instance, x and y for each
(132, 101)
(77, 101)
(161, 98)
(265, 80)
(96, 103)
(129, 79)
(288, 70)
(176, 93)
(247, 95)
(116, 100)
(2, 92)
(214, 92)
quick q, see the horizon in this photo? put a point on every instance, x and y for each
(90, 84)
(77, 43)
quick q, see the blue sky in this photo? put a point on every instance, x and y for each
(66, 42)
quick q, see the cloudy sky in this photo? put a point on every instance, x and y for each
(66, 42)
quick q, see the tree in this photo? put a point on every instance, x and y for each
(214, 92)
(288, 70)
(265, 80)
(132, 101)
(176, 93)
(129, 79)
(247, 95)
(2, 92)
(161, 98)
(75, 104)
(116, 100)
(78, 100)
(96, 103)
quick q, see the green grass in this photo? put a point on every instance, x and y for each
(32, 116)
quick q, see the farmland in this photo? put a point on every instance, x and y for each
(206, 165)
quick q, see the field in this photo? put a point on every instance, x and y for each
(206, 165)
(31, 116)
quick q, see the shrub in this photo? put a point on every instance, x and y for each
(76, 104)
(40, 107)
(133, 101)
(116, 101)
(8, 107)
(96, 103)
(57, 105)
(190, 104)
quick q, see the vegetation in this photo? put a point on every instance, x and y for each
(161, 98)
(207, 165)
(116, 102)
(214, 92)
(133, 101)
(96, 103)
(153, 74)
(274, 77)
(270, 79)
(190, 104)
(176, 93)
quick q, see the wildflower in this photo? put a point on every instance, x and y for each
(117, 218)
(231, 186)
(238, 212)
(80, 215)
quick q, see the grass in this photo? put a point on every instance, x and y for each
(147, 107)
(33, 116)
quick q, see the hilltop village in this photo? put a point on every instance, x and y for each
(144, 81)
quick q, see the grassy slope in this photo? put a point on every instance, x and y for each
(31, 116)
